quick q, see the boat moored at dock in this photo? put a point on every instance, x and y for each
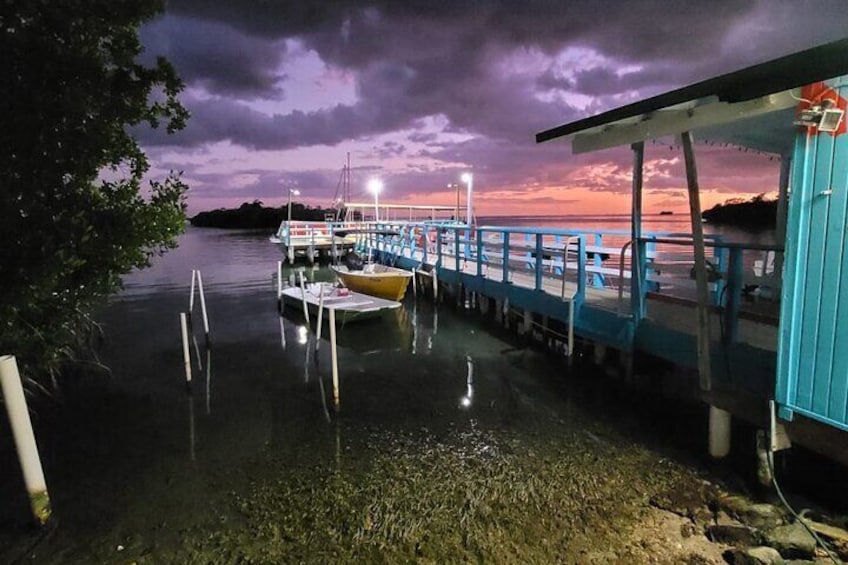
(375, 280)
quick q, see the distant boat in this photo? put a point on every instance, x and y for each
(666, 213)
(349, 305)
(376, 280)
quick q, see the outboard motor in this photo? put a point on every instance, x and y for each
(352, 261)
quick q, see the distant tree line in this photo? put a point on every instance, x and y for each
(758, 213)
(254, 215)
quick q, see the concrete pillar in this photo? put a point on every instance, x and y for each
(600, 354)
(498, 311)
(719, 434)
(527, 323)
(483, 304)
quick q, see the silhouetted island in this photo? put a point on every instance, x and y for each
(756, 213)
(254, 215)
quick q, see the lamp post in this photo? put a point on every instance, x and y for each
(455, 186)
(468, 179)
(375, 186)
(296, 192)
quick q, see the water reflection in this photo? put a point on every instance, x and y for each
(467, 400)
(208, 381)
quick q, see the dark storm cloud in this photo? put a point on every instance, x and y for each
(216, 56)
(471, 63)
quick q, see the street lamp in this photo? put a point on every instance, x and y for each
(296, 192)
(455, 186)
(468, 179)
(375, 186)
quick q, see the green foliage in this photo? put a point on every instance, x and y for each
(74, 215)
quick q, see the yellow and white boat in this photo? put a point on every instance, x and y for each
(375, 280)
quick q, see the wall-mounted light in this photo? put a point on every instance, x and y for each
(825, 117)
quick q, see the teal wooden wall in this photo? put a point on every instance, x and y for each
(812, 367)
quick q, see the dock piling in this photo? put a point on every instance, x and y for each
(719, 434)
(19, 420)
(280, 286)
(334, 357)
(320, 316)
(303, 298)
(186, 355)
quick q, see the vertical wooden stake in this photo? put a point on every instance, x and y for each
(334, 357)
(280, 286)
(700, 263)
(15, 401)
(203, 305)
(320, 316)
(303, 297)
(414, 283)
(191, 296)
(186, 356)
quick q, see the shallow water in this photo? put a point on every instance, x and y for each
(442, 420)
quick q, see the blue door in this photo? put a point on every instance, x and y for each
(812, 364)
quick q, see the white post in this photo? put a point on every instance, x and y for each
(203, 305)
(303, 299)
(719, 439)
(279, 285)
(13, 394)
(334, 357)
(208, 381)
(320, 316)
(186, 356)
(435, 284)
(191, 297)
(414, 282)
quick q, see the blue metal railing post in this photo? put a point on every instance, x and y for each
(581, 268)
(638, 272)
(479, 253)
(735, 271)
(456, 243)
(597, 278)
(425, 242)
(506, 256)
(539, 261)
(438, 247)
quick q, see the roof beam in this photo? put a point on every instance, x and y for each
(672, 122)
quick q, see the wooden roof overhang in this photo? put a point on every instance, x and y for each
(753, 107)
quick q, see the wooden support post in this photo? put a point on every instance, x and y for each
(700, 263)
(16, 408)
(280, 286)
(782, 211)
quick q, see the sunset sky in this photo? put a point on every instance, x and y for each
(420, 91)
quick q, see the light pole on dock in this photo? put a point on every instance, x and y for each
(296, 192)
(375, 186)
(468, 179)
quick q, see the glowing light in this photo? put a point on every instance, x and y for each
(302, 335)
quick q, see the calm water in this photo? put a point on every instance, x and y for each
(139, 469)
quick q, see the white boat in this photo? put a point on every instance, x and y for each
(349, 305)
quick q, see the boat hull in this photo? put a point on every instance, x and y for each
(376, 280)
(349, 306)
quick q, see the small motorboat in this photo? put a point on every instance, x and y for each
(349, 305)
(375, 280)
